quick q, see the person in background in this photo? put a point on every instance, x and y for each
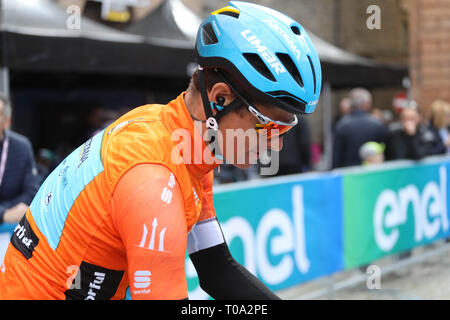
(372, 153)
(227, 173)
(355, 129)
(295, 157)
(412, 140)
(440, 121)
(44, 161)
(345, 108)
(18, 173)
(384, 116)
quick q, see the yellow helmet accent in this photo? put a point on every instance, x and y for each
(228, 9)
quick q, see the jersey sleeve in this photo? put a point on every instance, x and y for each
(148, 212)
(206, 233)
(208, 210)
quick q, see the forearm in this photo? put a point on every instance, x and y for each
(8, 204)
(5, 205)
(223, 278)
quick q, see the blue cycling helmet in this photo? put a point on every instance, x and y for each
(269, 55)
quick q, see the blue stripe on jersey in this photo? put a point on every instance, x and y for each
(59, 191)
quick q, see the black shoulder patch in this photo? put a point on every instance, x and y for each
(24, 239)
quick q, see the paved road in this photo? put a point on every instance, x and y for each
(429, 279)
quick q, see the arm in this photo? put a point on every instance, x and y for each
(149, 214)
(219, 274)
(223, 278)
(29, 187)
(14, 214)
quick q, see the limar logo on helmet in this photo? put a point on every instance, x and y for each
(267, 55)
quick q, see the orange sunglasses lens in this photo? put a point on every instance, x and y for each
(272, 129)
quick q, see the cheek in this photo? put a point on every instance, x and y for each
(239, 124)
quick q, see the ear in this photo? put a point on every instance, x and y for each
(221, 90)
(8, 123)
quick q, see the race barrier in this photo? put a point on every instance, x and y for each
(294, 229)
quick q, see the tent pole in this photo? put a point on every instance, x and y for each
(4, 72)
(327, 127)
(4, 81)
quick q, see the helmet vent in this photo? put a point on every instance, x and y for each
(208, 35)
(295, 30)
(291, 67)
(230, 13)
(259, 65)
(313, 72)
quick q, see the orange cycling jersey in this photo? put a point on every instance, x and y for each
(119, 212)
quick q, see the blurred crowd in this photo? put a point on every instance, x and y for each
(362, 135)
(22, 171)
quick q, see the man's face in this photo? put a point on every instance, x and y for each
(410, 120)
(241, 144)
(345, 106)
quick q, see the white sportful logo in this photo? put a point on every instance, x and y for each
(142, 282)
(20, 233)
(95, 285)
(151, 245)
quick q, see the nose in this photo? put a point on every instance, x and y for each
(275, 143)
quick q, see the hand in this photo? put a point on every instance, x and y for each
(14, 214)
(447, 143)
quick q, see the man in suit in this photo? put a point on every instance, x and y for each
(18, 174)
(355, 129)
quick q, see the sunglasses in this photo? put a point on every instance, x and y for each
(266, 125)
(272, 128)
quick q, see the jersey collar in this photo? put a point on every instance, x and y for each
(201, 159)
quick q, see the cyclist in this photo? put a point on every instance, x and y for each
(122, 210)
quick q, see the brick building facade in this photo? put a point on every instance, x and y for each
(429, 37)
